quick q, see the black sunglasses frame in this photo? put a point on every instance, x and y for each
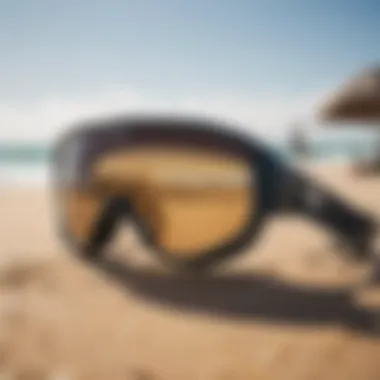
(278, 187)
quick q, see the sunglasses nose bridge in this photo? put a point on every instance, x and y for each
(115, 209)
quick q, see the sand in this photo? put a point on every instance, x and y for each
(284, 310)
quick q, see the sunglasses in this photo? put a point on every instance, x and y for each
(198, 190)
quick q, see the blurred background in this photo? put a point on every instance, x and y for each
(274, 69)
(265, 65)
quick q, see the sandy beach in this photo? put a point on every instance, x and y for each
(284, 310)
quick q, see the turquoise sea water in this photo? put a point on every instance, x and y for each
(30, 162)
(323, 149)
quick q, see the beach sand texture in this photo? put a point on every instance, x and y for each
(281, 311)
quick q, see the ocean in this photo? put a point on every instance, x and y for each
(29, 164)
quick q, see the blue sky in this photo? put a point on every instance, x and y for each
(264, 62)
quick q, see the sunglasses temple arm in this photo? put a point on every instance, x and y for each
(353, 227)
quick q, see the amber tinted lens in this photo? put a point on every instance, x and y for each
(192, 200)
(81, 208)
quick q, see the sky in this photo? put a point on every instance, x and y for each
(264, 63)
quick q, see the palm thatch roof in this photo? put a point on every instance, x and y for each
(358, 100)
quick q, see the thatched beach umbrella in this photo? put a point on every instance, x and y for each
(356, 101)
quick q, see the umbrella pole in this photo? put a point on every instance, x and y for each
(371, 163)
(377, 155)
(374, 161)
(298, 143)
